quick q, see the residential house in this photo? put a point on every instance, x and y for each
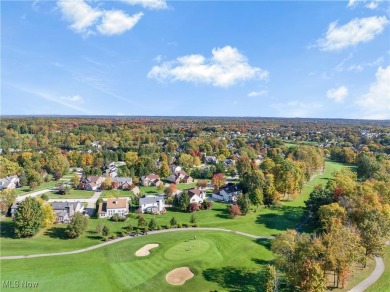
(9, 182)
(152, 204)
(196, 195)
(174, 168)
(113, 206)
(64, 211)
(122, 183)
(228, 193)
(91, 183)
(111, 170)
(210, 159)
(151, 180)
(228, 162)
(180, 177)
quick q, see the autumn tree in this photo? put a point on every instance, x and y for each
(218, 180)
(193, 207)
(75, 180)
(131, 158)
(48, 215)
(164, 169)
(171, 190)
(234, 211)
(7, 198)
(270, 284)
(201, 183)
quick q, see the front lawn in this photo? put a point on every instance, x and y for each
(116, 194)
(74, 194)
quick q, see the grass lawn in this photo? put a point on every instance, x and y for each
(116, 194)
(45, 185)
(153, 190)
(383, 283)
(216, 258)
(74, 194)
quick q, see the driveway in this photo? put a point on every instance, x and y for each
(34, 194)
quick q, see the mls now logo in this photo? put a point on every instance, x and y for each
(19, 284)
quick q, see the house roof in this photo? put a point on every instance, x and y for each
(102, 208)
(193, 192)
(152, 177)
(64, 205)
(116, 203)
(123, 180)
(151, 199)
(93, 178)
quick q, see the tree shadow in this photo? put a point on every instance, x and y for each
(282, 218)
(264, 242)
(7, 229)
(260, 261)
(56, 232)
(235, 279)
(95, 237)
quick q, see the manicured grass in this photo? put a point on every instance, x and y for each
(116, 194)
(74, 194)
(383, 283)
(231, 262)
(153, 190)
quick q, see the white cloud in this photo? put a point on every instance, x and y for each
(80, 14)
(226, 67)
(376, 102)
(117, 22)
(153, 4)
(74, 99)
(358, 30)
(351, 3)
(373, 4)
(337, 94)
(258, 93)
(86, 20)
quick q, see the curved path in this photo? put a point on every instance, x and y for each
(373, 277)
(129, 237)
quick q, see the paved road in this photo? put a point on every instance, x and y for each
(90, 209)
(129, 237)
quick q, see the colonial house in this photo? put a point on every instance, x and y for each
(180, 177)
(228, 193)
(113, 206)
(91, 183)
(122, 183)
(152, 204)
(196, 195)
(174, 168)
(9, 182)
(151, 180)
(64, 211)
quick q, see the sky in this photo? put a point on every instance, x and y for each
(311, 59)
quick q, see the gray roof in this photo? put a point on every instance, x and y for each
(123, 180)
(64, 205)
(151, 199)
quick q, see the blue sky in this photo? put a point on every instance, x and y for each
(325, 59)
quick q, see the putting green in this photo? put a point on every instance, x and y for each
(188, 249)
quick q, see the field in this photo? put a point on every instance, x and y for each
(216, 258)
(116, 194)
(45, 185)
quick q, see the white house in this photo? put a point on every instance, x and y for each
(113, 206)
(9, 182)
(152, 204)
(196, 196)
(174, 168)
(228, 193)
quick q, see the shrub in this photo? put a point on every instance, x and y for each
(45, 197)
(113, 236)
(123, 234)
(193, 207)
(196, 225)
(105, 230)
(185, 225)
(105, 238)
(168, 227)
(146, 229)
(179, 225)
(159, 227)
(129, 227)
(234, 211)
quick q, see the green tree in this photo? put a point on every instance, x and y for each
(28, 219)
(173, 221)
(77, 226)
(105, 230)
(99, 228)
(244, 203)
(34, 179)
(184, 201)
(317, 198)
(131, 159)
(152, 224)
(256, 197)
(192, 219)
(56, 162)
(141, 221)
(164, 169)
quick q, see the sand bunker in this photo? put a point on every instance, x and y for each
(145, 251)
(179, 276)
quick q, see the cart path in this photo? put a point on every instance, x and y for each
(129, 237)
